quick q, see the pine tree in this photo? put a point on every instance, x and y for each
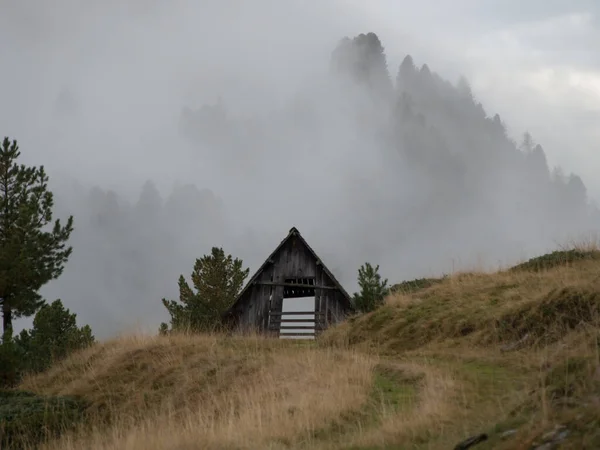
(217, 280)
(31, 254)
(11, 360)
(372, 289)
(528, 143)
(54, 335)
(407, 74)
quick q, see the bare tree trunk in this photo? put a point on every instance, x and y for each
(6, 318)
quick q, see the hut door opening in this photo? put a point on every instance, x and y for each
(298, 311)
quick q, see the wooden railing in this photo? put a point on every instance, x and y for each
(279, 321)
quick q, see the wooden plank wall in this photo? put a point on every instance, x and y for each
(292, 261)
(328, 301)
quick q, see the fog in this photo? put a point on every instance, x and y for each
(171, 127)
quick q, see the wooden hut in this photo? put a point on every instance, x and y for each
(293, 270)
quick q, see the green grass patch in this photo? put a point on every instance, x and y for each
(393, 391)
(412, 286)
(572, 393)
(556, 259)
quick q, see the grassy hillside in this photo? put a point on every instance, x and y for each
(513, 354)
(519, 351)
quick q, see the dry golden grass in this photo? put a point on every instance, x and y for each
(517, 350)
(207, 391)
(489, 309)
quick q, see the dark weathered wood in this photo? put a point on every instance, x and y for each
(296, 313)
(277, 320)
(291, 293)
(296, 281)
(292, 270)
(296, 327)
(272, 333)
(296, 330)
(293, 285)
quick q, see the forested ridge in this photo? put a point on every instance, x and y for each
(394, 165)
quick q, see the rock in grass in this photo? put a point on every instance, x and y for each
(468, 443)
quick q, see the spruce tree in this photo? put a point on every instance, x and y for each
(373, 289)
(33, 251)
(217, 280)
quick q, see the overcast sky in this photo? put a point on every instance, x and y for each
(94, 90)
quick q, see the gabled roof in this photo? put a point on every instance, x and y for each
(293, 232)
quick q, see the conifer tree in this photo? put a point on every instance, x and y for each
(31, 253)
(54, 336)
(217, 280)
(372, 288)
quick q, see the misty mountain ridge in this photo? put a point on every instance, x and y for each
(398, 167)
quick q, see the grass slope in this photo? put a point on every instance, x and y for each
(519, 351)
(513, 354)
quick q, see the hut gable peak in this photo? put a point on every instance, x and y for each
(277, 257)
